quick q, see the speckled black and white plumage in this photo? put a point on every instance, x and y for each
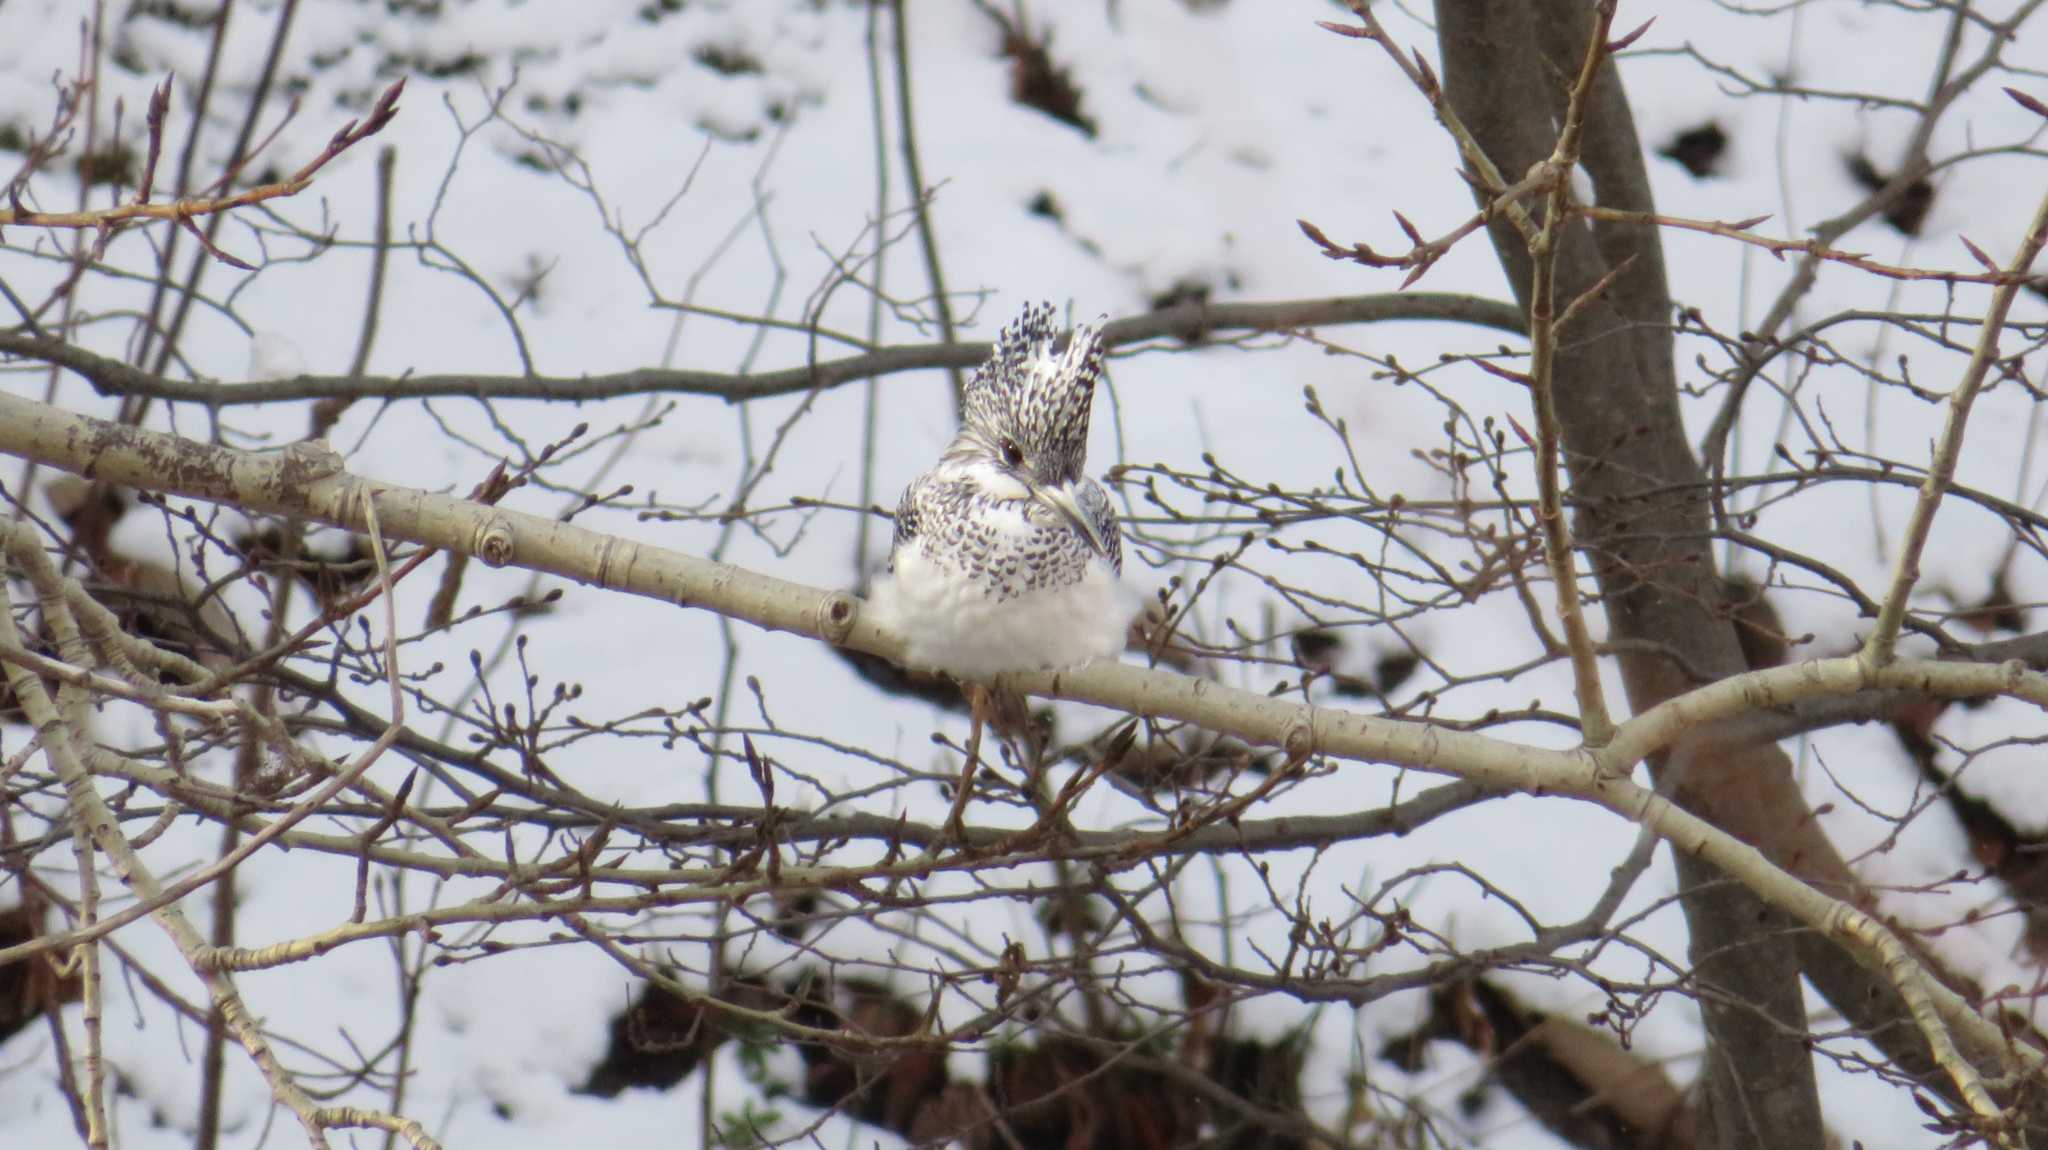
(1007, 557)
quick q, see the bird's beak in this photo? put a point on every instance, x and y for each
(1060, 501)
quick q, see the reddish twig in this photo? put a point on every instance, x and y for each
(1422, 254)
(1738, 230)
(185, 210)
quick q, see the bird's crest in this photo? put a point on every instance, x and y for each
(1035, 395)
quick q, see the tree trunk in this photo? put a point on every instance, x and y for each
(1640, 518)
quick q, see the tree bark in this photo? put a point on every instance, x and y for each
(309, 481)
(1506, 64)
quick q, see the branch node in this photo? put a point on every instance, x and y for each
(837, 614)
(493, 542)
(309, 460)
(1300, 740)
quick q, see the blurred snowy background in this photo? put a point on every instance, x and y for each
(617, 184)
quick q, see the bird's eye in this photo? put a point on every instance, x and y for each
(1013, 456)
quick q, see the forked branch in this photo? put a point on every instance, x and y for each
(183, 211)
(309, 483)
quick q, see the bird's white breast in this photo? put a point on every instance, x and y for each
(954, 624)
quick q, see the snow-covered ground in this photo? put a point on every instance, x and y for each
(1218, 126)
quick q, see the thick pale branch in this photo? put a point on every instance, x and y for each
(310, 482)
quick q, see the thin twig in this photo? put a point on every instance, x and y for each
(921, 196)
(1878, 648)
(189, 208)
(1594, 720)
(1813, 246)
(1424, 78)
(1186, 321)
(1601, 776)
